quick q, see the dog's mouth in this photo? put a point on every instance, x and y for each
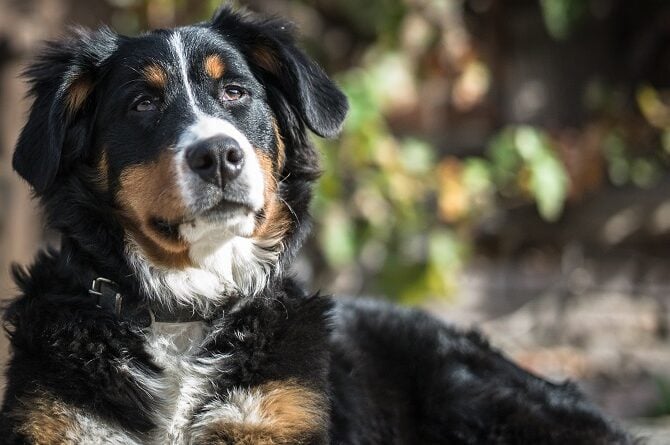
(223, 212)
(224, 209)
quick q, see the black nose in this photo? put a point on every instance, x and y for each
(217, 160)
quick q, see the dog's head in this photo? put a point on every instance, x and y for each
(194, 137)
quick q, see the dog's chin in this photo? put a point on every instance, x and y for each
(234, 218)
(210, 230)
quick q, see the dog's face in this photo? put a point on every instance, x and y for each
(188, 143)
(191, 134)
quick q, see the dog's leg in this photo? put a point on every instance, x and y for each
(274, 413)
(276, 392)
(42, 419)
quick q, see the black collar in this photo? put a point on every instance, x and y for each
(142, 315)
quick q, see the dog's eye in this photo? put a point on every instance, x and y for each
(145, 104)
(233, 93)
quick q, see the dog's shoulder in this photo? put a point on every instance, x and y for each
(67, 354)
(282, 333)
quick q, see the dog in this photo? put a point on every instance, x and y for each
(177, 168)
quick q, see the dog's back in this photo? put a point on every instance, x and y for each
(418, 381)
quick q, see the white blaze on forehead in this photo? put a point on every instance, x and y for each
(180, 54)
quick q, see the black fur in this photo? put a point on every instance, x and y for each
(50, 129)
(390, 376)
(417, 381)
(321, 104)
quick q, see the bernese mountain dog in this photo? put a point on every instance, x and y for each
(177, 169)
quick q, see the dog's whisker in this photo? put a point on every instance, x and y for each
(285, 177)
(295, 216)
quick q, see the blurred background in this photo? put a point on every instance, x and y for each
(505, 164)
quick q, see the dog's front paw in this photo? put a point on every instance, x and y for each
(274, 413)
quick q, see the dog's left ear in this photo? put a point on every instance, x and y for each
(269, 45)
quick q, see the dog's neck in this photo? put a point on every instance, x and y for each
(238, 267)
(103, 278)
(101, 247)
(201, 290)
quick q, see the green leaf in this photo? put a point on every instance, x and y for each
(444, 249)
(477, 176)
(417, 156)
(561, 16)
(529, 142)
(549, 185)
(337, 238)
(645, 173)
(504, 157)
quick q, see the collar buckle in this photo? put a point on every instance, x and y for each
(107, 295)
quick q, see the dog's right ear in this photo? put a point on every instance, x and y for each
(269, 44)
(62, 80)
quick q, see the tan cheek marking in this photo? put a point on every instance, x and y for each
(268, 173)
(77, 94)
(155, 76)
(150, 191)
(281, 147)
(290, 414)
(102, 171)
(45, 421)
(214, 66)
(277, 219)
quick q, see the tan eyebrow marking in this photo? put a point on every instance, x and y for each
(266, 58)
(155, 76)
(214, 66)
(77, 94)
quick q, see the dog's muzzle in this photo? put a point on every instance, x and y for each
(219, 171)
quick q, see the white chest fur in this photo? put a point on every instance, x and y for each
(186, 378)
